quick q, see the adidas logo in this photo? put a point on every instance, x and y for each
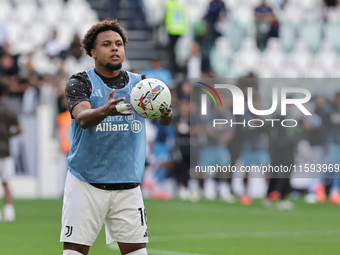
(97, 93)
(146, 234)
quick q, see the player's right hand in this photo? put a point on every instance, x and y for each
(111, 104)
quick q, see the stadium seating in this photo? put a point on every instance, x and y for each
(287, 34)
(327, 59)
(300, 58)
(303, 36)
(247, 59)
(244, 17)
(310, 33)
(332, 33)
(234, 32)
(154, 11)
(333, 14)
(221, 56)
(29, 24)
(274, 58)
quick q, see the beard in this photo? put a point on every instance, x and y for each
(113, 67)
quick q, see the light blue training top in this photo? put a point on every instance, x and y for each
(113, 151)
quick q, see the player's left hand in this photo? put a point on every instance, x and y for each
(167, 113)
(166, 118)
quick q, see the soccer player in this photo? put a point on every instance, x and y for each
(107, 150)
(8, 119)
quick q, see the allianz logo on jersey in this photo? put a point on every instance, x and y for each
(135, 126)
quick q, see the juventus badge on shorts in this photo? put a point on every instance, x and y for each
(68, 231)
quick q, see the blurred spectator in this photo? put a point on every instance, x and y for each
(26, 65)
(54, 46)
(48, 89)
(216, 12)
(64, 132)
(281, 3)
(184, 90)
(9, 70)
(193, 65)
(156, 179)
(158, 72)
(330, 8)
(30, 98)
(235, 144)
(331, 3)
(253, 152)
(195, 183)
(136, 10)
(315, 127)
(75, 47)
(112, 9)
(10, 77)
(75, 59)
(9, 63)
(266, 24)
(164, 143)
(283, 141)
(175, 23)
(207, 36)
(216, 151)
(333, 137)
(8, 121)
(148, 183)
(182, 163)
(3, 35)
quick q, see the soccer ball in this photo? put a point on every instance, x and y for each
(150, 98)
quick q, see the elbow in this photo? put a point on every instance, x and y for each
(82, 123)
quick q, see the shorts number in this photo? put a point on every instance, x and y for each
(142, 216)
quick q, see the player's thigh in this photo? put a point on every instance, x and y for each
(2, 169)
(126, 248)
(126, 219)
(83, 249)
(84, 211)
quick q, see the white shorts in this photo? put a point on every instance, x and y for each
(86, 208)
(6, 165)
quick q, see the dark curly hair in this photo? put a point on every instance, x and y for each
(105, 25)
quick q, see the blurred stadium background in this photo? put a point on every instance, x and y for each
(39, 51)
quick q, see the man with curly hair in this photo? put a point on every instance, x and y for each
(107, 151)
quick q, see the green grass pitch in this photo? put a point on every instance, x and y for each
(185, 228)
